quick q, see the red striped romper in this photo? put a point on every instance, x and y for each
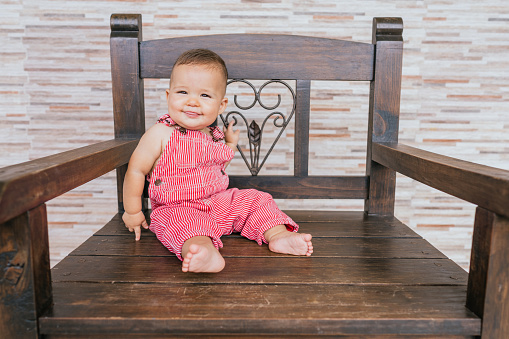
(189, 195)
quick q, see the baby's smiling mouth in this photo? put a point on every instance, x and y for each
(191, 113)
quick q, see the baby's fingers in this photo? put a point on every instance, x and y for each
(229, 127)
(137, 233)
(136, 230)
(144, 224)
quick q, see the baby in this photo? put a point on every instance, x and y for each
(184, 160)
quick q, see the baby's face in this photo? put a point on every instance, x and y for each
(196, 96)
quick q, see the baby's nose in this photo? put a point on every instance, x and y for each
(192, 101)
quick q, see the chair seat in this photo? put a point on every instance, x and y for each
(368, 275)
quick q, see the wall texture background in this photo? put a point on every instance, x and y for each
(55, 93)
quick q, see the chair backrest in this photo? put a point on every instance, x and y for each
(277, 58)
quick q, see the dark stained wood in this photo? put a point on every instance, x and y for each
(320, 224)
(39, 256)
(266, 56)
(384, 99)
(121, 171)
(315, 187)
(249, 336)
(479, 260)
(282, 269)
(496, 304)
(127, 86)
(25, 284)
(484, 186)
(121, 23)
(27, 185)
(301, 154)
(341, 216)
(259, 309)
(234, 246)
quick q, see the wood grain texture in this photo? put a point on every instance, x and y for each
(27, 185)
(127, 86)
(235, 246)
(25, 284)
(264, 270)
(367, 275)
(496, 303)
(302, 115)
(484, 186)
(251, 336)
(313, 187)
(479, 260)
(319, 223)
(264, 56)
(384, 105)
(259, 309)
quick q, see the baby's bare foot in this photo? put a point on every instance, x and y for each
(202, 258)
(291, 243)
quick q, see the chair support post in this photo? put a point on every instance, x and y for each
(25, 283)
(488, 290)
(129, 111)
(384, 99)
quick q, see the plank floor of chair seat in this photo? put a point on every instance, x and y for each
(355, 282)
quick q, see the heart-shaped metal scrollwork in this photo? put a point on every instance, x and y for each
(254, 131)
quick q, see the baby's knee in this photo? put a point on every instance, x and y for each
(261, 197)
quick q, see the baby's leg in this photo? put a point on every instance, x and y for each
(283, 241)
(200, 255)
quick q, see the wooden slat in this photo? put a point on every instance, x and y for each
(248, 336)
(259, 309)
(262, 56)
(301, 140)
(27, 185)
(315, 187)
(234, 246)
(484, 186)
(274, 270)
(320, 224)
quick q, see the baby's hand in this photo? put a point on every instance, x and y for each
(231, 137)
(134, 222)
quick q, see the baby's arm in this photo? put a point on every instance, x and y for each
(231, 138)
(142, 160)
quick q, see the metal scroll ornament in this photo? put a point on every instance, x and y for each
(254, 131)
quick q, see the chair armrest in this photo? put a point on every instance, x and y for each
(29, 184)
(485, 186)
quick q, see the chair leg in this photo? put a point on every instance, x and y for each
(479, 259)
(25, 284)
(496, 303)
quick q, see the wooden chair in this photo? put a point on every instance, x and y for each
(370, 276)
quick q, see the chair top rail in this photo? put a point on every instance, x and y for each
(267, 56)
(29, 184)
(485, 186)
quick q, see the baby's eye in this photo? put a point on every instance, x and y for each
(181, 92)
(205, 95)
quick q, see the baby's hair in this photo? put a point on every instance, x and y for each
(201, 56)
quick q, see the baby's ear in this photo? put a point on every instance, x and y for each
(223, 105)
